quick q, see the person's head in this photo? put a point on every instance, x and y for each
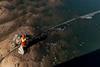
(23, 35)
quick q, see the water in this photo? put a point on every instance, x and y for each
(85, 31)
(88, 31)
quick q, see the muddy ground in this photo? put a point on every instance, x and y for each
(19, 16)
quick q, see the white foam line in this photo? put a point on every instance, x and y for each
(90, 15)
(86, 16)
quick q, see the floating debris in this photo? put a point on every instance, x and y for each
(82, 43)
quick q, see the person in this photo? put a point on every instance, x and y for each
(22, 44)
